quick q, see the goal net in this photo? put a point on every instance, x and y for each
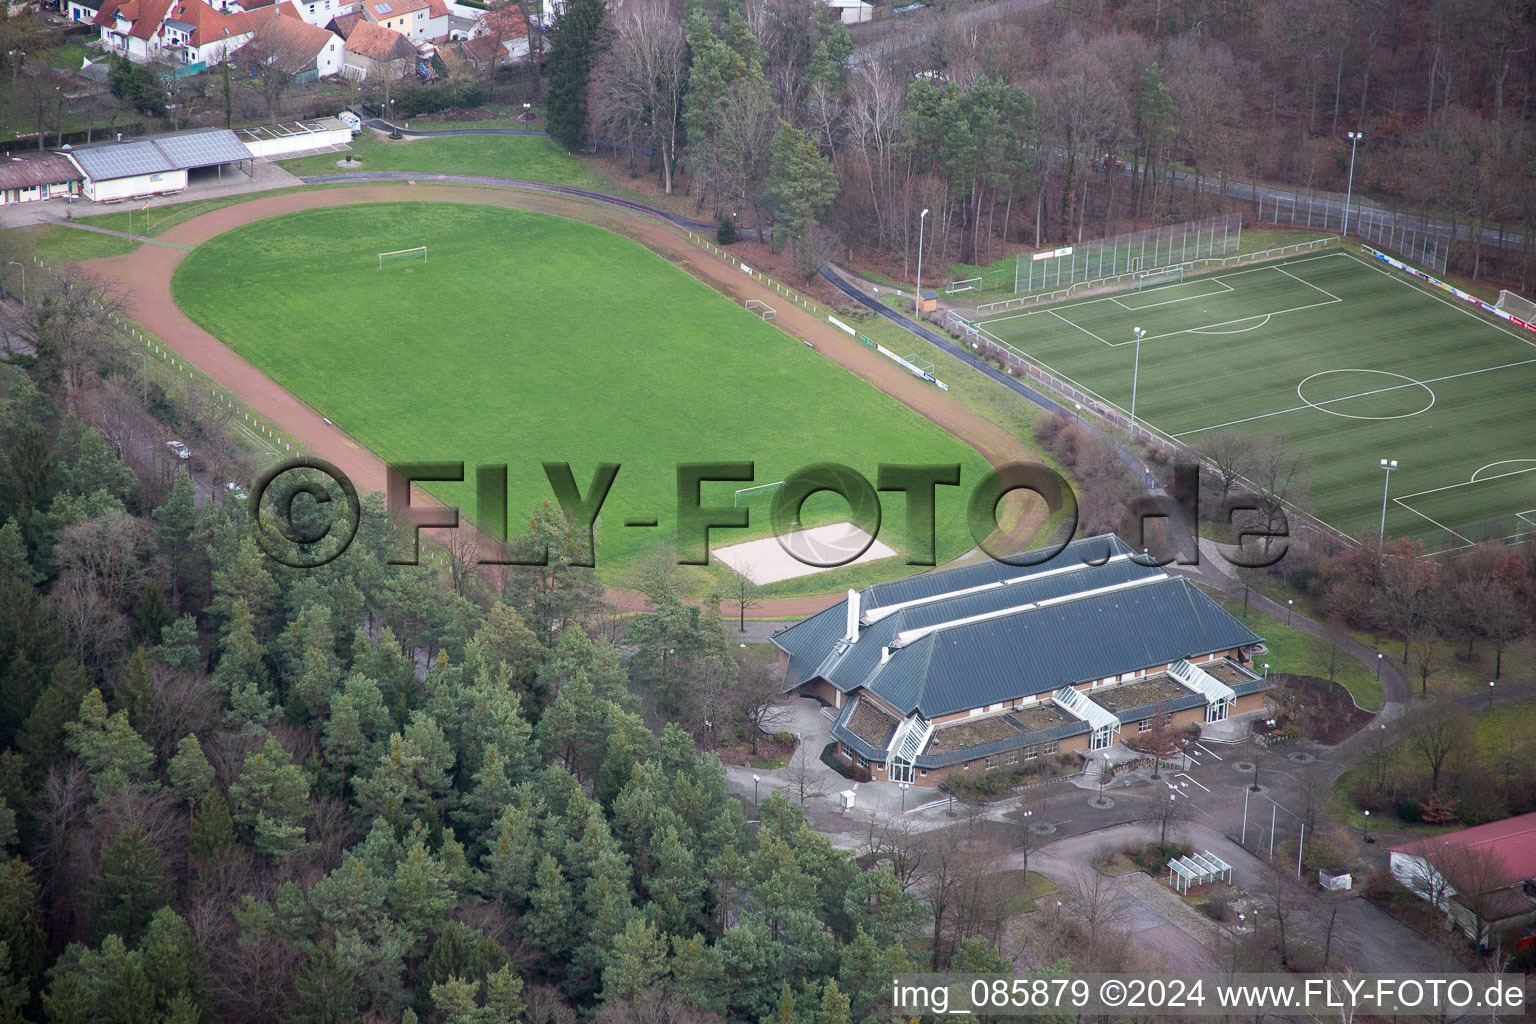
(1158, 278)
(399, 255)
(761, 308)
(751, 495)
(1514, 304)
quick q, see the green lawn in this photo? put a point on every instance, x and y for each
(58, 244)
(1298, 653)
(530, 157)
(1022, 888)
(1345, 357)
(528, 338)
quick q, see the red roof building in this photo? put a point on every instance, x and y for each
(1483, 877)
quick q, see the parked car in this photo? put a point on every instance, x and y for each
(351, 120)
(178, 449)
(234, 490)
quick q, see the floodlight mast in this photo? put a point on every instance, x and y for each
(917, 297)
(1389, 465)
(1138, 333)
(1354, 140)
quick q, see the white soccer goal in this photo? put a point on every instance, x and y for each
(1516, 305)
(418, 253)
(1158, 278)
(970, 284)
(748, 495)
(761, 308)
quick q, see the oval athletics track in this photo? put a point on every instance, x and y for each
(143, 280)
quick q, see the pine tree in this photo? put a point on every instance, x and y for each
(178, 645)
(130, 886)
(271, 798)
(190, 773)
(513, 850)
(116, 755)
(13, 555)
(177, 518)
(573, 39)
(801, 185)
(135, 691)
(242, 670)
(213, 830)
(420, 894)
(173, 962)
(638, 961)
(324, 988)
(21, 933)
(548, 922)
(150, 615)
(834, 1005)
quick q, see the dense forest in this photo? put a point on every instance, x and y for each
(236, 791)
(1055, 122)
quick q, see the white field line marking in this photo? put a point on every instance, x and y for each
(1262, 320)
(1203, 747)
(1223, 278)
(1468, 483)
(1447, 529)
(1501, 462)
(1458, 305)
(1309, 284)
(1361, 394)
(1080, 327)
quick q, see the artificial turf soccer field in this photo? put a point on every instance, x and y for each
(1353, 363)
(527, 338)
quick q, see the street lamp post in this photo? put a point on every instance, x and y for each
(1290, 606)
(1378, 666)
(1389, 465)
(1138, 333)
(1368, 838)
(1354, 140)
(1266, 670)
(917, 296)
(23, 266)
(755, 780)
(1490, 693)
(904, 787)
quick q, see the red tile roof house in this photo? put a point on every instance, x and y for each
(1484, 877)
(500, 35)
(421, 20)
(280, 31)
(371, 50)
(183, 32)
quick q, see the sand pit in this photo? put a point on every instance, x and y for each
(768, 561)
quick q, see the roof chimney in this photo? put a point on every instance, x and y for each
(885, 655)
(851, 634)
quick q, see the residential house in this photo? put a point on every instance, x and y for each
(1483, 877)
(82, 10)
(996, 666)
(851, 12)
(419, 20)
(280, 30)
(371, 50)
(186, 32)
(343, 24)
(498, 37)
(26, 179)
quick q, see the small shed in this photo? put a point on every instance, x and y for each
(39, 176)
(1335, 879)
(846, 798)
(927, 300)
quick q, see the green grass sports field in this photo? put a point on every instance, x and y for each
(527, 338)
(1352, 362)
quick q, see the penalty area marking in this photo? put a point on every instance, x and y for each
(1502, 462)
(1261, 321)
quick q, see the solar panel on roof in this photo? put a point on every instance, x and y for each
(122, 161)
(382, 9)
(203, 149)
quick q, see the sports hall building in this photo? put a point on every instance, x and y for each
(990, 666)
